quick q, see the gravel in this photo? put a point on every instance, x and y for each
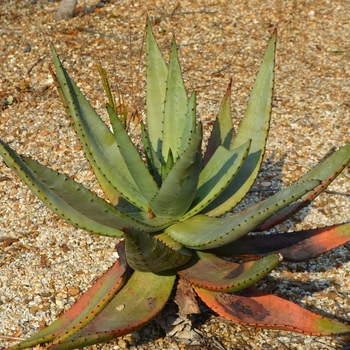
(45, 264)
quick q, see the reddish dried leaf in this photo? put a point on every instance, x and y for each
(7, 241)
(139, 301)
(253, 307)
(86, 307)
(294, 246)
(214, 273)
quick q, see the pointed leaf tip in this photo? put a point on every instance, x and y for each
(254, 126)
(294, 246)
(256, 308)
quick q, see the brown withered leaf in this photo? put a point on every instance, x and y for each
(43, 260)
(185, 298)
(65, 248)
(7, 241)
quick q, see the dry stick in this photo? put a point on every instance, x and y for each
(35, 64)
(8, 337)
(177, 6)
(221, 70)
(194, 12)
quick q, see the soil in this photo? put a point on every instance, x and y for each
(45, 264)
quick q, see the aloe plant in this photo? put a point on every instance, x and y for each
(171, 206)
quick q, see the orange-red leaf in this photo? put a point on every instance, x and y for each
(294, 246)
(214, 273)
(256, 308)
(141, 299)
(86, 308)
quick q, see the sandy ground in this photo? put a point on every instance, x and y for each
(45, 263)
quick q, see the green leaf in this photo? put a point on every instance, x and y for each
(222, 133)
(137, 168)
(73, 202)
(208, 271)
(179, 188)
(65, 197)
(256, 308)
(97, 140)
(156, 73)
(166, 167)
(326, 171)
(140, 300)
(190, 124)
(153, 162)
(88, 306)
(149, 254)
(107, 87)
(254, 126)
(176, 123)
(110, 191)
(152, 224)
(216, 176)
(216, 232)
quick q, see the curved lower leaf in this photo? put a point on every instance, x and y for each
(204, 232)
(86, 308)
(73, 202)
(294, 246)
(253, 307)
(149, 254)
(210, 272)
(139, 301)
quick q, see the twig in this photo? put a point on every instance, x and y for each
(177, 6)
(193, 12)
(35, 64)
(337, 193)
(7, 337)
(222, 69)
(4, 178)
(194, 43)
